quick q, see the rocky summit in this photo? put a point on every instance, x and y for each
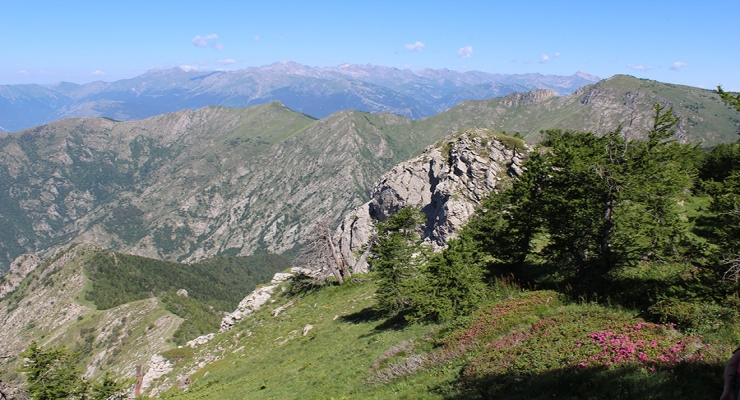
(447, 182)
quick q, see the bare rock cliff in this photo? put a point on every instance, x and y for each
(447, 182)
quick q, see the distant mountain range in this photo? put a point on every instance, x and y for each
(314, 91)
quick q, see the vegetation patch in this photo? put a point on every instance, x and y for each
(220, 282)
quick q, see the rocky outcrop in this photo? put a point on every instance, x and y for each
(255, 300)
(522, 99)
(200, 340)
(19, 268)
(447, 182)
(158, 366)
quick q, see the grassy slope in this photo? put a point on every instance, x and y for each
(268, 357)
(68, 307)
(523, 344)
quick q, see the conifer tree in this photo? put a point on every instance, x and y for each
(599, 201)
(396, 256)
(51, 374)
(729, 98)
(453, 282)
(721, 171)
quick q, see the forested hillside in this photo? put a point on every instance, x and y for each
(113, 311)
(191, 185)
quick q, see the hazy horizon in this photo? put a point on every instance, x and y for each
(82, 41)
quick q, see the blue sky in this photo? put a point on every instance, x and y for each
(694, 43)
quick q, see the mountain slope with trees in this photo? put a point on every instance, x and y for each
(194, 184)
(108, 312)
(600, 270)
(600, 274)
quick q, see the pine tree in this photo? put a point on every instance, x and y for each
(397, 254)
(453, 282)
(51, 374)
(721, 172)
(734, 101)
(599, 202)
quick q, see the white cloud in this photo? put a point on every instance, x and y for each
(188, 68)
(199, 42)
(98, 72)
(206, 41)
(678, 65)
(640, 67)
(465, 52)
(227, 61)
(546, 58)
(256, 37)
(23, 72)
(412, 47)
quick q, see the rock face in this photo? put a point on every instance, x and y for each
(200, 340)
(157, 367)
(447, 182)
(19, 268)
(523, 99)
(255, 300)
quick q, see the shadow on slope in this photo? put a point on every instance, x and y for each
(369, 314)
(685, 381)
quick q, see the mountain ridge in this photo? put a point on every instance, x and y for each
(193, 184)
(318, 91)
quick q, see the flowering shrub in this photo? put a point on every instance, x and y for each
(500, 319)
(515, 345)
(644, 343)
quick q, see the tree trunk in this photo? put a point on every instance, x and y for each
(338, 268)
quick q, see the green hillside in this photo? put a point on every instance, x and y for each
(118, 310)
(191, 185)
(520, 344)
(543, 295)
(599, 108)
(607, 269)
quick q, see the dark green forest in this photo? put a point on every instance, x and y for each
(213, 286)
(220, 282)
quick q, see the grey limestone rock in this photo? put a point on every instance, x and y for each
(447, 182)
